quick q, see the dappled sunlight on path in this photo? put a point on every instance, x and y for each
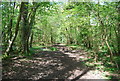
(61, 64)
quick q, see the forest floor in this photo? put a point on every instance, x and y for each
(65, 63)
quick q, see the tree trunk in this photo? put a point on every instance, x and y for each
(25, 28)
(16, 32)
(118, 28)
(31, 40)
(32, 20)
(111, 54)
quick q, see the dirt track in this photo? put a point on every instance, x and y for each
(62, 64)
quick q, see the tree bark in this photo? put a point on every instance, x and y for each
(25, 28)
(32, 20)
(31, 40)
(16, 32)
(118, 28)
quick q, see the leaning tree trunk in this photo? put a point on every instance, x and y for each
(16, 32)
(31, 24)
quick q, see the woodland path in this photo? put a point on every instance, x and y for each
(62, 64)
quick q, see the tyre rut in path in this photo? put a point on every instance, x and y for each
(46, 65)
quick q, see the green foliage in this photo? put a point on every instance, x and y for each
(6, 56)
(89, 26)
(117, 59)
(53, 49)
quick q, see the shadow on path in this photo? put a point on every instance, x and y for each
(45, 65)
